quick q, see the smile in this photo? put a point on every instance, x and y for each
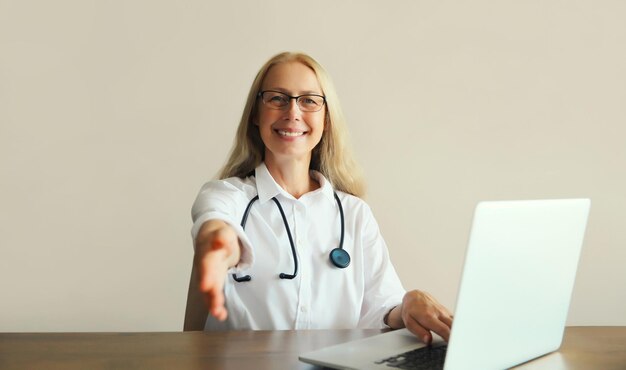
(290, 133)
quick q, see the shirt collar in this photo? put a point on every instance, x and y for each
(267, 187)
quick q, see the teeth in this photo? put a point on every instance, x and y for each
(288, 133)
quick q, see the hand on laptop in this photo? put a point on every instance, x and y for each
(421, 314)
(217, 249)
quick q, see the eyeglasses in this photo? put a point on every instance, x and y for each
(278, 100)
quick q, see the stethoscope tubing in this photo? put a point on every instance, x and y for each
(338, 256)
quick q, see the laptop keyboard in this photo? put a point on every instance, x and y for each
(425, 358)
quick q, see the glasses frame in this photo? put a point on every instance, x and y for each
(297, 98)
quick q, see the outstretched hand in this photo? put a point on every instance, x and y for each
(422, 314)
(217, 249)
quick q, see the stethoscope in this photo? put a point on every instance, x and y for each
(338, 256)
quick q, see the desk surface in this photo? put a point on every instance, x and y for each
(583, 348)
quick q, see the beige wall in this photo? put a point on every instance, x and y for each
(113, 114)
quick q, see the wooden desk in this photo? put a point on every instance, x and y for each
(583, 348)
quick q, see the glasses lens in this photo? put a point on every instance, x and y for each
(275, 99)
(310, 103)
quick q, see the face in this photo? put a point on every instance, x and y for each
(289, 133)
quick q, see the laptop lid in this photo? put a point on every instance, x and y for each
(514, 295)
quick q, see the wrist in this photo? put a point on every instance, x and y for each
(386, 317)
(393, 318)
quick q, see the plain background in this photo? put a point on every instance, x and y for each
(114, 113)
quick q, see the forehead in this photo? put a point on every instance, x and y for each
(292, 77)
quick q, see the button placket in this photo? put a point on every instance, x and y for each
(304, 307)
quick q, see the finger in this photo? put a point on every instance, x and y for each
(419, 331)
(445, 311)
(216, 303)
(218, 309)
(446, 319)
(214, 300)
(440, 328)
(432, 322)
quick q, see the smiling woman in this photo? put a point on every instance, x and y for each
(289, 133)
(291, 161)
(331, 157)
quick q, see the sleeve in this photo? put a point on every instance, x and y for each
(221, 200)
(383, 289)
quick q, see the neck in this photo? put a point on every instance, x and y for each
(292, 175)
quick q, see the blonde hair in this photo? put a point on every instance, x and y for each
(332, 156)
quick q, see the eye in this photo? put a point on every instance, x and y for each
(308, 100)
(311, 102)
(276, 99)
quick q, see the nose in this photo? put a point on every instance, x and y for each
(293, 110)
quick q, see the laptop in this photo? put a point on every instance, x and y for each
(513, 300)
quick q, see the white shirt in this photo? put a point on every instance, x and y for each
(321, 296)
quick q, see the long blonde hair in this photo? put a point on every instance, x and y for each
(332, 155)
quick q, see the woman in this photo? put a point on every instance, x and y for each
(291, 185)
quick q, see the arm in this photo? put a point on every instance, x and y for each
(421, 313)
(217, 249)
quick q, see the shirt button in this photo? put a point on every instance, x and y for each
(303, 309)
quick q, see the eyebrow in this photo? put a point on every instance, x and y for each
(305, 92)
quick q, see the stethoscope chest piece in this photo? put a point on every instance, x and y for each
(340, 258)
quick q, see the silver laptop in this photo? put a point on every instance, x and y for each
(514, 295)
